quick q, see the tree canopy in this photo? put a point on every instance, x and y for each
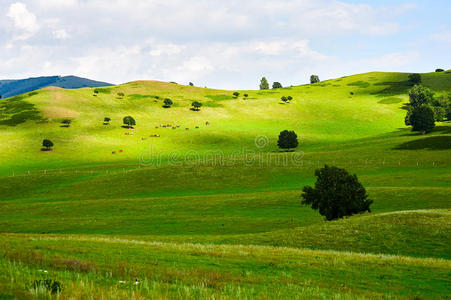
(336, 194)
(422, 118)
(129, 121)
(196, 105)
(264, 85)
(287, 140)
(314, 79)
(167, 102)
(47, 144)
(414, 78)
(276, 85)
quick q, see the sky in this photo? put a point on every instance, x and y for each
(221, 44)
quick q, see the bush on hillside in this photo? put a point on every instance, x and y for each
(314, 79)
(276, 85)
(414, 79)
(336, 194)
(196, 105)
(47, 144)
(439, 70)
(167, 103)
(236, 94)
(419, 95)
(287, 140)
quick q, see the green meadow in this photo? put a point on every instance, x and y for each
(210, 208)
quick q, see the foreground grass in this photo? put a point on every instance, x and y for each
(90, 266)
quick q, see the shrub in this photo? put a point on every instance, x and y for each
(287, 140)
(191, 84)
(314, 79)
(289, 98)
(422, 118)
(106, 120)
(439, 70)
(415, 79)
(121, 94)
(236, 94)
(245, 95)
(196, 105)
(336, 194)
(276, 85)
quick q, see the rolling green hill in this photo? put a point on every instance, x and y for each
(207, 212)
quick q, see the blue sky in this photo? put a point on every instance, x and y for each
(223, 44)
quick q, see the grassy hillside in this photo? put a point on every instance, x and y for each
(204, 212)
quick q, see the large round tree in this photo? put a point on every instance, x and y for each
(129, 121)
(336, 194)
(287, 140)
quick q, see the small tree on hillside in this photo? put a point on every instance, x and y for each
(264, 85)
(106, 121)
(422, 118)
(66, 122)
(47, 144)
(439, 70)
(336, 194)
(287, 140)
(414, 78)
(314, 79)
(129, 121)
(167, 102)
(284, 99)
(276, 85)
(245, 95)
(236, 94)
(196, 105)
(289, 98)
(191, 84)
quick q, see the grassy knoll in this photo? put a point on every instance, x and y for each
(215, 211)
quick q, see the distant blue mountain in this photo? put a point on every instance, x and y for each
(9, 88)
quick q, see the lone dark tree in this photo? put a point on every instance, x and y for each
(245, 95)
(129, 121)
(284, 99)
(414, 78)
(439, 70)
(422, 118)
(264, 85)
(289, 98)
(196, 105)
(314, 79)
(47, 144)
(336, 194)
(276, 85)
(191, 84)
(167, 102)
(236, 94)
(287, 140)
(106, 121)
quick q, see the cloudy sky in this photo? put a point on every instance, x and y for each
(223, 44)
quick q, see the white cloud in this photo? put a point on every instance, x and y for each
(23, 19)
(60, 34)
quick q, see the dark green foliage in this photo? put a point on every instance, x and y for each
(236, 94)
(422, 118)
(407, 117)
(129, 121)
(289, 98)
(96, 91)
(106, 120)
(264, 85)
(245, 95)
(66, 122)
(47, 144)
(276, 85)
(196, 105)
(284, 99)
(419, 95)
(51, 285)
(314, 79)
(336, 194)
(167, 102)
(120, 95)
(439, 113)
(191, 84)
(414, 79)
(439, 70)
(287, 140)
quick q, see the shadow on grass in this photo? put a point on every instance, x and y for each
(393, 88)
(428, 143)
(15, 111)
(438, 129)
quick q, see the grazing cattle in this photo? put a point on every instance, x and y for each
(121, 150)
(178, 126)
(207, 123)
(114, 152)
(156, 127)
(131, 133)
(143, 138)
(126, 133)
(174, 127)
(186, 128)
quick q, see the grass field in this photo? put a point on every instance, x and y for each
(214, 211)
